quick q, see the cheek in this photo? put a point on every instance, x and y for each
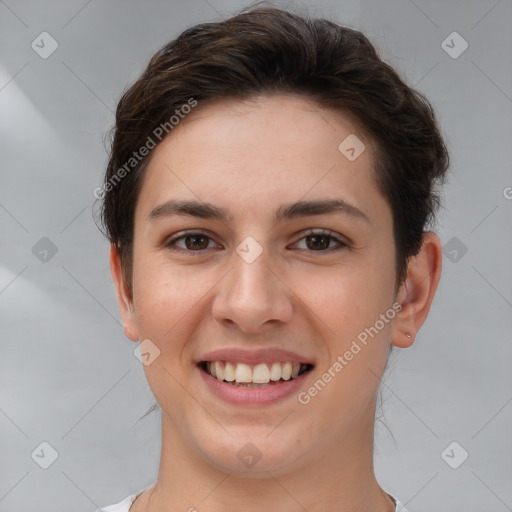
(346, 304)
(349, 309)
(166, 298)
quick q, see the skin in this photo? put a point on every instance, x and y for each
(249, 158)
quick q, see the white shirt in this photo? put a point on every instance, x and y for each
(124, 506)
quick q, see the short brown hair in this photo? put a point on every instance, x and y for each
(266, 51)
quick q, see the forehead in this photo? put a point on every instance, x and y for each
(271, 149)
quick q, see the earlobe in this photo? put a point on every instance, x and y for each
(124, 299)
(417, 292)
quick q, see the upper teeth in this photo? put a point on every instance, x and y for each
(259, 374)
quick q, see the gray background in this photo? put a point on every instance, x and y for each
(68, 376)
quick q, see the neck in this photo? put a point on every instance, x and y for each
(338, 478)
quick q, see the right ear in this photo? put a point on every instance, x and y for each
(124, 298)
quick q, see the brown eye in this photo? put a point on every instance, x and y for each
(193, 242)
(318, 241)
(196, 241)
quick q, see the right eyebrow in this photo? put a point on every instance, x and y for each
(189, 207)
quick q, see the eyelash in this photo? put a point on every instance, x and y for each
(312, 232)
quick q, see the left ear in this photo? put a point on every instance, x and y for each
(417, 292)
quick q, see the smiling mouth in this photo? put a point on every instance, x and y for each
(254, 376)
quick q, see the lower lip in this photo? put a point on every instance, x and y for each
(252, 396)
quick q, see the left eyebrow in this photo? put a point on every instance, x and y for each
(320, 207)
(287, 211)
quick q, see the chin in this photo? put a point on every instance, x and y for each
(252, 452)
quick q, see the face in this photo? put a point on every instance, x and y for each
(257, 288)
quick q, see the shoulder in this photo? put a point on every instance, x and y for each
(122, 506)
(399, 507)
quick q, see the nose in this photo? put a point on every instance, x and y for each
(253, 296)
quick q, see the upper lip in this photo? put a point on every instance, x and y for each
(261, 355)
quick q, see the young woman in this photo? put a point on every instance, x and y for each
(266, 199)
